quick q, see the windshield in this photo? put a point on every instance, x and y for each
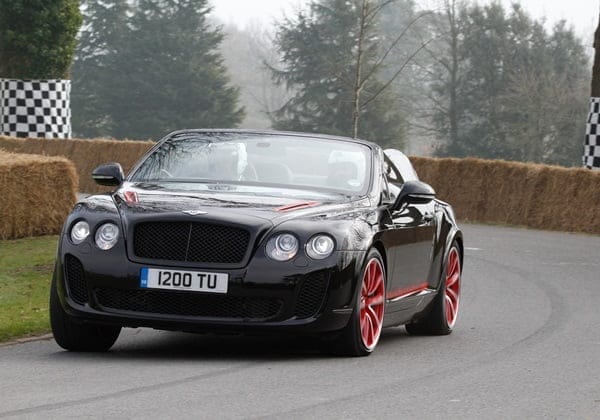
(262, 160)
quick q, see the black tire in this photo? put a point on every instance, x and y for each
(78, 337)
(351, 342)
(438, 321)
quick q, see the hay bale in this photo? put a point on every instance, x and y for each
(533, 195)
(37, 194)
(85, 154)
(525, 194)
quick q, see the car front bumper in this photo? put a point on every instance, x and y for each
(299, 296)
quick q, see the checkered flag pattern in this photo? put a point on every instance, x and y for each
(591, 149)
(35, 108)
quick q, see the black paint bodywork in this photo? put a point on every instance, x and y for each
(413, 238)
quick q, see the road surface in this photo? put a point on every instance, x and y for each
(527, 345)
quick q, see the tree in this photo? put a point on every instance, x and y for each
(162, 72)
(332, 59)
(509, 87)
(248, 53)
(97, 66)
(38, 38)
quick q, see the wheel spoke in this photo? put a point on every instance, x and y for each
(375, 300)
(451, 310)
(452, 280)
(364, 327)
(450, 304)
(368, 330)
(373, 280)
(372, 302)
(452, 295)
(452, 292)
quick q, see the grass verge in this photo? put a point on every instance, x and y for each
(26, 267)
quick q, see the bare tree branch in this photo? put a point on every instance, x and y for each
(391, 80)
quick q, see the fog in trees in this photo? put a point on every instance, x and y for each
(458, 80)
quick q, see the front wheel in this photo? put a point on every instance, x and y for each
(78, 337)
(361, 335)
(444, 308)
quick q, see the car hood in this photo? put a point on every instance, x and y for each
(225, 201)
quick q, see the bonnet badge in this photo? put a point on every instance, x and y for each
(195, 212)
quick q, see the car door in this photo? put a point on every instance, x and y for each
(410, 238)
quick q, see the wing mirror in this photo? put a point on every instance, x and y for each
(109, 174)
(414, 192)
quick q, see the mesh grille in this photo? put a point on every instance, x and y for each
(191, 242)
(312, 294)
(188, 304)
(75, 277)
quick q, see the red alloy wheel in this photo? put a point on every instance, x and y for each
(372, 303)
(452, 296)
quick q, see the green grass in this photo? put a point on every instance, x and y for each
(26, 267)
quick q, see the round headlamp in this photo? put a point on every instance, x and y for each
(282, 247)
(107, 236)
(79, 232)
(320, 247)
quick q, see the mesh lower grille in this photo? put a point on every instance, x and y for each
(75, 277)
(191, 242)
(312, 294)
(188, 304)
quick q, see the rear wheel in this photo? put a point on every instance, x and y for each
(78, 337)
(444, 309)
(361, 335)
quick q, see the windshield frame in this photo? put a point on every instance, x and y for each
(216, 136)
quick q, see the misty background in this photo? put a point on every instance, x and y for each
(460, 79)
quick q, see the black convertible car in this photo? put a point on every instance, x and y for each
(232, 231)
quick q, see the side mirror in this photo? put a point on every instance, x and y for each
(109, 175)
(414, 192)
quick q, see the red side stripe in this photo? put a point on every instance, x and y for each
(406, 291)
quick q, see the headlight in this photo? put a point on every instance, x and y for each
(107, 236)
(79, 232)
(320, 246)
(282, 247)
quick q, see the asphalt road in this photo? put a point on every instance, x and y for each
(527, 345)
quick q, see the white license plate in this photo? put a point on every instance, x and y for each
(194, 281)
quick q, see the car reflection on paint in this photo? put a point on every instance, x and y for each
(259, 232)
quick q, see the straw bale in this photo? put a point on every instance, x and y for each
(37, 193)
(85, 154)
(525, 194)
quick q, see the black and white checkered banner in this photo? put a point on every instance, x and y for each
(35, 108)
(591, 149)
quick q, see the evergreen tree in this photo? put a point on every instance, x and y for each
(96, 67)
(160, 71)
(331, 64)
(38, 38)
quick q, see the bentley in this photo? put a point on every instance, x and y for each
(234, 231)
